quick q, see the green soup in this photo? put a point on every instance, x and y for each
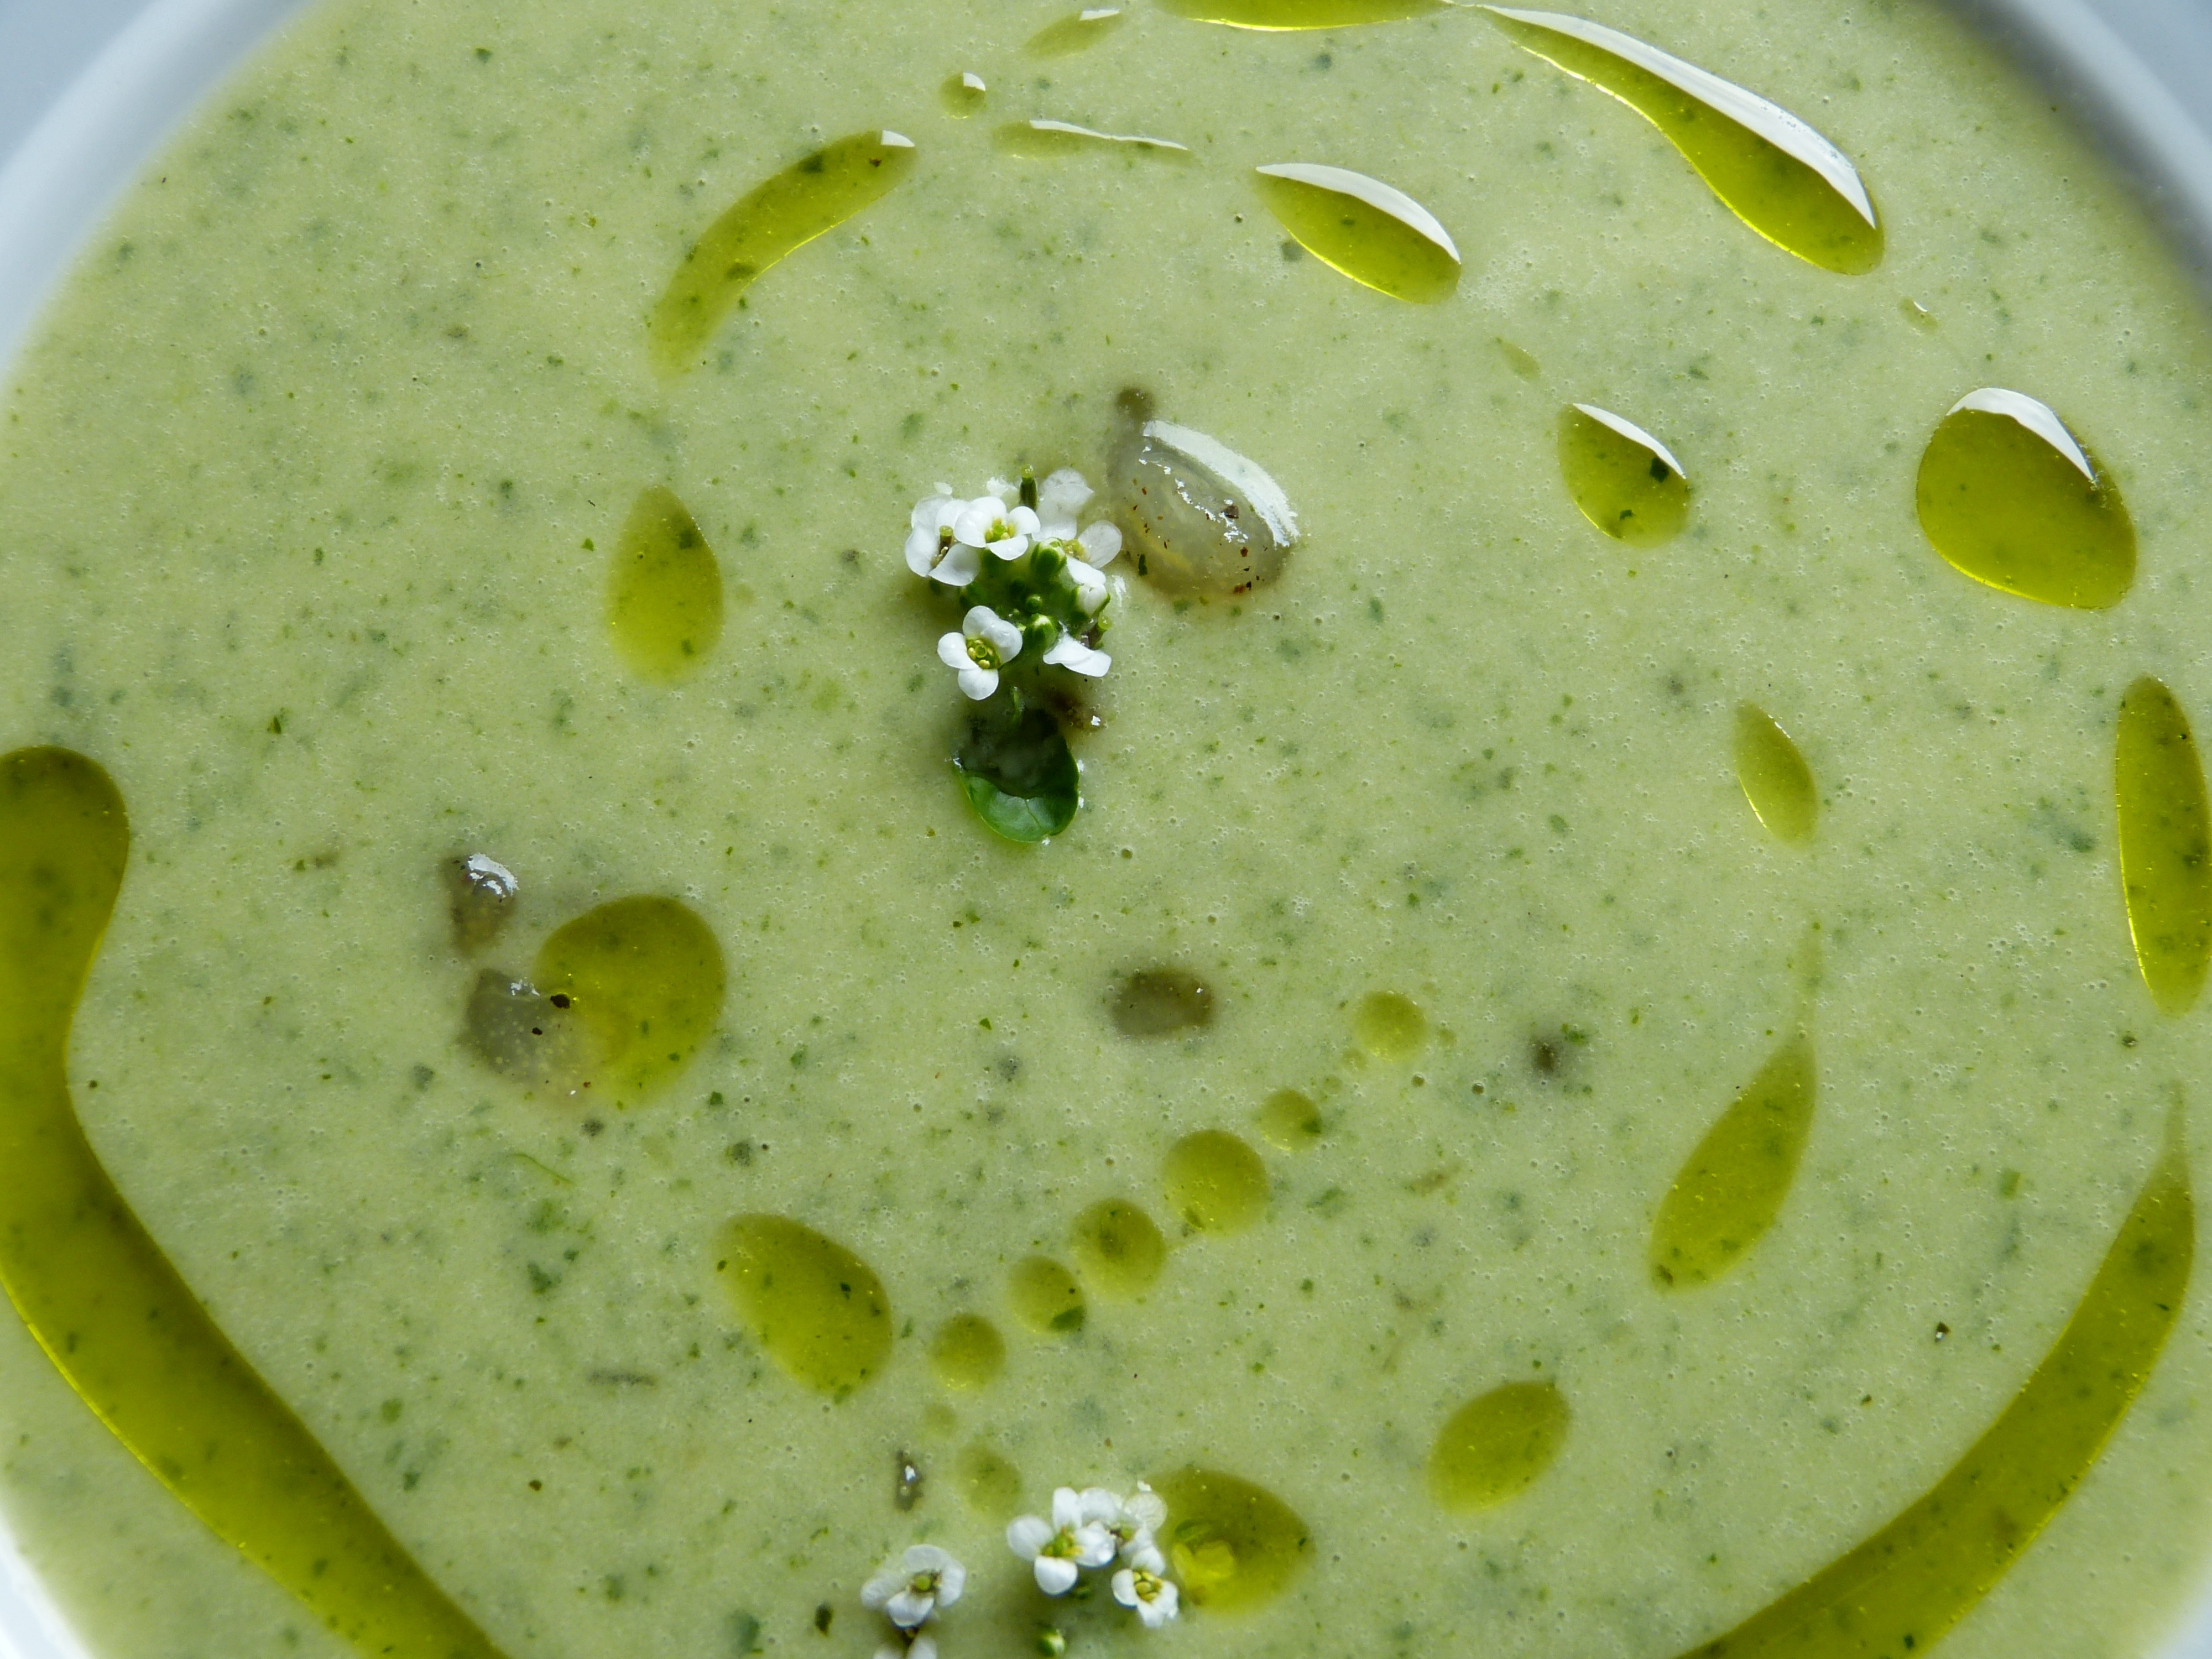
(1609, 1057)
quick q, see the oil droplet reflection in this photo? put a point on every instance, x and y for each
(1774, 776)
(1204, 519)
(1902, 1588)
(1047, 140)
(1233, 1545)
(1495, 1446)
(1045, 1296)
(816, 1309)
(1118, 1248)
(1388, 1026)
(1215, 1181)
(1778, 175)
(962, 95)
(1731, 1187)
(2166, 845)
(102, 1299)
(776, 217)
(645, 978)
(1275, 15)
(967, 1352)
(2010, 496)
(1086, 28)
(1626, 482)
(1372, 232)
(664, 589)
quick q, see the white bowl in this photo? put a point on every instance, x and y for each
(89, 88)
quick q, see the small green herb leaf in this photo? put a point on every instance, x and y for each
(1019, 775)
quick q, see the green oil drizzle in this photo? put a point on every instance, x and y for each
(1276, 15)
(1626, 482)
(1233, 1546)
(1215, 1181)
(104, 1302)
(986, 1482)
(1118, 1248)
(1045, 1296)
(1775, 779)
(1372, 232)
(664, 589)
(645, 977)
(1731, 1189)
(2010, 496)
(2166, 844)
(1290, 1121)
(1388, 1026)
(772, 219)
(817, 1309)
(1778, 175)
(1902, 1588)
(1496, 1445)
(1078, 33)
(962, 95)
(967, 1352)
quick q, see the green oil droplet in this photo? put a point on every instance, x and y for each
(1776, 780)
(962, 95)
(1118, 1248)
(776, 217)
(817, 1309)
(102, 1299)
(1730, 1190)
(1372, 232)
(967, 1352)
(645, 978)
(1045, 1296)
(2010, 496)
(1290, 1121)
(1276, 15)
(664, 590)
(987, 1483)
(1626, 482)
(1495, 1446)
(2166, 845)
(1085, 29)
(1778, 175)
(1233, 1545)
(1215, 1181)
(1388, 1026)
(1902, 1588)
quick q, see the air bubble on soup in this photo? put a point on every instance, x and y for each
(1779, 176)
(1156, 1002)
(521, 1033)
(1626, 482)
(2166, 844)
(1284, 15)
(1231, 1544)
(1372, 232)
(646, 977)
(1045, 1296)
(664, 589)
(2010, 497)
(1390, 1026)
(815, 1308)
(1731, 1187)
(967, 1352)
(1774, 777)
(1203, 519)
(1290, 1121)
(1077, 32)
(1118, 1248)
(480, 894)
(1496, 1444)
(1215, 1181)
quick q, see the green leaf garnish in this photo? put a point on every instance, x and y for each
(1019, 773)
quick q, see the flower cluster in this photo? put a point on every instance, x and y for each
(1095, 1527)
(908, 1590)
(1034, 581)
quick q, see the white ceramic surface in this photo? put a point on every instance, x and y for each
(90, 88)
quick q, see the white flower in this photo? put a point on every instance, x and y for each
(1144, 1585)
(1101, 542)
(914, 1647)
(988, 523)
(1091, 589)
(985, 640)
(910, 1588)
(932, 550)
(1071, 653)
(1073, 1539)
(1060, 498)
(1130, 1521)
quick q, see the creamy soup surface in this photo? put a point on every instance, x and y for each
(309, 486)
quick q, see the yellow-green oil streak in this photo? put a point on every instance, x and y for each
(1909, 1582)
(105, 1302)
(2166, 844)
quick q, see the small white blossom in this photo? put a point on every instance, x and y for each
(1058, 1548)
(988, 523)
(1090, 590)
(1144, 1586)
(1071, 653)
(1131, 1521)
(932, 550)
(1101, 545)
(1060, 498)
(914, 1647)
(908, 1590)
(985, 640)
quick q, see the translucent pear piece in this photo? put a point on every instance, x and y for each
(1205, 520)
(2010, 496)
(102, 1299)
(1084, 29)
(1495, 1446)
(773, 218)
(1233, 1545)
(1372, 232)
(645, 978)
(1731, 1187)
(1044, 140)
(1277, 15)
(2166, 845)
(664, 589)
(1626, 482)
(1776, 780)
(1902, 1588)
(817, 1309)
(1778, 175)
